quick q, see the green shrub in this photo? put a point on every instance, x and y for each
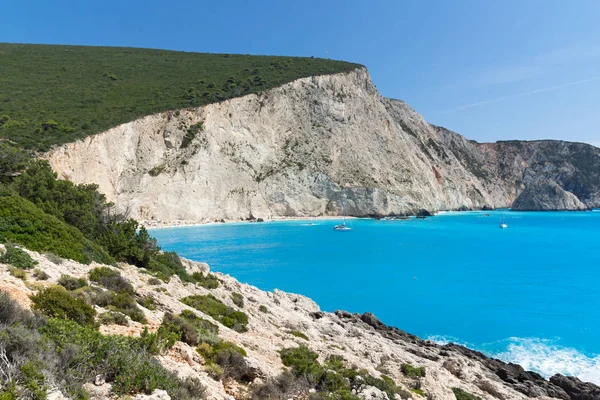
(412, 372)
(56, 302)
(304, 362)
(153, 281)
(11, 311)
(461, 394)
(71, 283)
(125, 303)
(113, 318)
(300, 335)
(18, 273)
(24, 223)
(191, 328)
(263, 308)
(333, 380)
(208, 281)
(157, 342)
(230, 358)
(213, 352)
(111, 279)
(40, 275)
(17, 258)
(147, 302)
(237, 299)
(53, 258)
(212, 306)
(67, 355)
(157, 170)
(125, 361)
(214, 371)
(191, 134)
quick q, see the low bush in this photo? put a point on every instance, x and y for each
(56, 302)
(157, 342)
(18, 273)
(17, 258)
(53, 258)
(230, 358)
(113, 318)
(154, 281)
(111, 280)
(304, 363)
(461, 394)
(192, 329)
(263, 308)
(214, 371)
(11, 311)
(147, 302)
(71, 283)
(332, 380)
(125, 361)
(300, 335)
(284, 386)
(208, 281)
(237, 299)
(214, 307)
(125, 303)
(93, 295)
(412, 372)
(40, 275)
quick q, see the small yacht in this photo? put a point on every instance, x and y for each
(342, 227)
(502, 223)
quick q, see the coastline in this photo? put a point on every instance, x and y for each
(155, 225)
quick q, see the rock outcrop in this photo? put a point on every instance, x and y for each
(544, 195)
(361, 340)
(325, 145)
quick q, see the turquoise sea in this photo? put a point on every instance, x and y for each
(528, 294)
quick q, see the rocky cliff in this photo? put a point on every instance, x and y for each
(323, 145)
(546, 196)
(278, 320)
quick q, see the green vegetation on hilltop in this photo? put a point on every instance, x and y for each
(56, 94)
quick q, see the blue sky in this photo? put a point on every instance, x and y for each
(489, 70)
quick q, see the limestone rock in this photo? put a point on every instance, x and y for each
(543, 195)
(372, 393)
(324, 145)
(158, 394)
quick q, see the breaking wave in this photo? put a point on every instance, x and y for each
(543, 356)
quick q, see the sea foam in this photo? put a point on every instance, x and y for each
(543, 356)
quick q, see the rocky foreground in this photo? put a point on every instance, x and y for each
(278, 320)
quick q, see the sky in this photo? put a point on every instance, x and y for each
(490, 70)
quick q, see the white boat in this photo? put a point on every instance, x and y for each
(502, 223)
(342, 227)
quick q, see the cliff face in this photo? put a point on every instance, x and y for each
(546, 196)
(317, 146)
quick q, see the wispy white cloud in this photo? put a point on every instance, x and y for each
(528, 93)
(529, 68)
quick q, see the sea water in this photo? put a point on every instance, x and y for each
(529, 294)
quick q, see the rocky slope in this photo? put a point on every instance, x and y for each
(546, 196)
(323, 145)
(362, 340)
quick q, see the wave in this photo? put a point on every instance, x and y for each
(544, 356)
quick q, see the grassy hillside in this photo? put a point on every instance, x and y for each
(56, 94)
